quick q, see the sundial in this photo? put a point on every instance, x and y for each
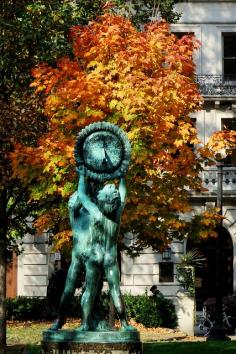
(104, 149)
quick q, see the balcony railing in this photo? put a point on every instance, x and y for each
(209, 178)
(217, 85)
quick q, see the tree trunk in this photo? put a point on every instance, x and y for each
(2, 296)
(3, 269)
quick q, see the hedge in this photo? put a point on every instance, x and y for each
(148, 310)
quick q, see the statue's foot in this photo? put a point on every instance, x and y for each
(84, 327)
(103, 326)
(127, 328)
(57, 324)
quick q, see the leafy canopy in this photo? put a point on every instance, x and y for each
(29, 33)
(143, 82)
(36, 31)
(32, 32)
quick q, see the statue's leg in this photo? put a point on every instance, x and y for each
(68, 292)
(113, 277)
(93, 274)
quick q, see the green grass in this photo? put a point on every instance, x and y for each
(171, 348)
(30, 349)
(30, 334)
(26, 333)
(190, 348)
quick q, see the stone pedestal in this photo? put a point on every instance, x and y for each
(77, 342)
(185, 309)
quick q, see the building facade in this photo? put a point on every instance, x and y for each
(214, 24)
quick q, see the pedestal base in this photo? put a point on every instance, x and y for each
(76, 342)
(91, 348)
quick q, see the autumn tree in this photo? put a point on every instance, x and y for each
(143, 82)
(31, 33)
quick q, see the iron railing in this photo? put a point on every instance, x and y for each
(217, 85)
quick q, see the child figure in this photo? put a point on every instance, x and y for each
(95, 228)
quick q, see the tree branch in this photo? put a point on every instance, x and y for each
(17, 200)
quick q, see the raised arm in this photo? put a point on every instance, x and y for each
(122, 190)
(84, 198)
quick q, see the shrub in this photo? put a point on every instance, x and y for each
(186, 277)
(151, 311)
(27, 308)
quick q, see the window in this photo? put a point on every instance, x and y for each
(193, 122)
(166, 272)
(229, 123)
(229, 56)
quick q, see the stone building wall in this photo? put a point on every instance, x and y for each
(35, 266)
(140, 273)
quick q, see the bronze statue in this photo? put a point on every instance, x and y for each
(95, 222)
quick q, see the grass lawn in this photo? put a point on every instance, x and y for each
(30, 334)
(30, 349)
(171, 348)
(26, 333)
(190, 348)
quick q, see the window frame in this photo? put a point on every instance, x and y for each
(230, 161)
(228, 77)
(171, 278)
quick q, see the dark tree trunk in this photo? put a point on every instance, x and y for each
(3, 269)
(2, 296)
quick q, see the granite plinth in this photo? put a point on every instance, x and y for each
(91, 348)
(77, 342)
(78, 336)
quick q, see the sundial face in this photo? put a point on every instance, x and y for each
(102, 151)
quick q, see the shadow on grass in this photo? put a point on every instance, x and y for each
(190, 348)
(167, 348)
(30, 349)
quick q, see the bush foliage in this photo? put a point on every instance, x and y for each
(151, 311)
(148, 310)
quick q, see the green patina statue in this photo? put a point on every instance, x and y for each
(95, 213)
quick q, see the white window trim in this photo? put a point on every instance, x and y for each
(221, 29)
(223, 115)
